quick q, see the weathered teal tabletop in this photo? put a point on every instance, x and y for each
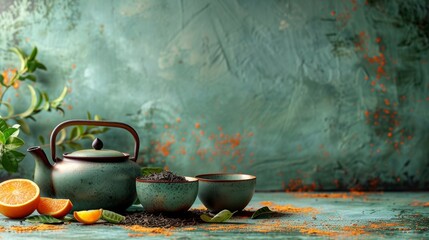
(403, 215)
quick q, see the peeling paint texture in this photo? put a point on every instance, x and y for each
(306, 95)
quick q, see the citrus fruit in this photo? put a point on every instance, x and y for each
(18, 197)
(88, 217)
(56, 208)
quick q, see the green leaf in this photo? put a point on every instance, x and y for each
(16, 133)
(21, 56)
(9, 107)
(98, 130)
(146, 171)
(44, 219)
(261, 211)
(69, 219)
(9, 132)
(57, 102)
(74, 134)
(59, 109)
(19, 156)
(33, 103)
(24, 126)
(31, 65)
(75, 146)
(1, 79)
(222, 216)
(41, 66)
(39, 102)
(29, 77)
(41, 140)
(63, 136)
(9, 162)
(3, 125)
(112, 217)
(2, 138)
(88, 136)
(46, 106)
(14, 143)
(33, 54)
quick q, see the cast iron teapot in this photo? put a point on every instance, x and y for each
(90, 178)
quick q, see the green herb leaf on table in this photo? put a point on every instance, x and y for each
(44, 219)
(146, 171)
(112, 217)
(261, 212)
(69, 218)
(222, 216)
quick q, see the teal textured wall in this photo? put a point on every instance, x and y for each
(304, 94)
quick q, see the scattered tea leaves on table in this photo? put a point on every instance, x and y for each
(69, 218)
(222, 216)
(44, 219)
(112, 217)
(262, 212)
(146, 171)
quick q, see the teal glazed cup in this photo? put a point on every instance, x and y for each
(164, 196)
(232, 191)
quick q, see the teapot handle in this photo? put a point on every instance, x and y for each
(68, 123)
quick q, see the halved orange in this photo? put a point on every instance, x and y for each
(18, 197)
(88, 217)
(57, 208)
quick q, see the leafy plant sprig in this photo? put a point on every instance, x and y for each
(73, 138)
(9, 142)
(39, 101)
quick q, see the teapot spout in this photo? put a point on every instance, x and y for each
(42, 172)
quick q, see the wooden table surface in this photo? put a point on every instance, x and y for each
(391, 215)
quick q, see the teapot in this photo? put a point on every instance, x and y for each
(91, 178)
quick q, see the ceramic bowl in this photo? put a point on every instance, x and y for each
(219, 191)
(162, 196)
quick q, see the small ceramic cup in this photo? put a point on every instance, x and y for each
(232, 191)
(163, 196)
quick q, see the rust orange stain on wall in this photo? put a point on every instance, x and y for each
(387, 102)
(380, 61)
(297, 185)
(164, 148)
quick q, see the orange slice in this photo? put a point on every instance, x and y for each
(88, 217)
(57, 208)
(18, 197)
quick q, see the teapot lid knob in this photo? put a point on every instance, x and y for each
(97, 144)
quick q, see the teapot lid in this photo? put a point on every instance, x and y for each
(97, 153)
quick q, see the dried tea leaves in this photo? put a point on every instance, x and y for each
(165, 220)
(164, 176)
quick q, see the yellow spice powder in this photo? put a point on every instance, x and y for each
(41, 227)
(150, 230)
(289, 208)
